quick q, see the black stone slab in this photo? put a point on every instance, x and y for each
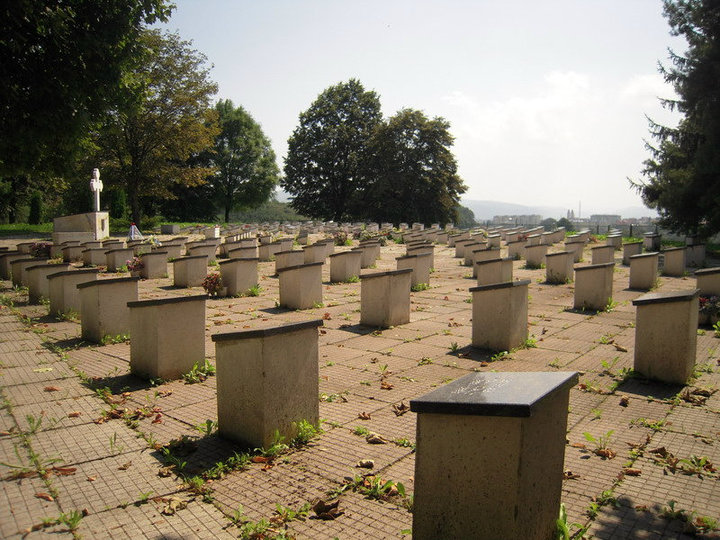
(510, 394)
(256, 259)
(644, 255)
(99, 282)
(665, 297)
(74, 272)
(266, 332)
(558, 253)
(505, 285)
(298, 266)
(390, 273)
(673, 249)
(592, 266)
(168, 300)
(708, 271)
(493, 261)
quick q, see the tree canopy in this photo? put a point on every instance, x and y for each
(153, 137)
(245, 170)
(682, 176)
(412, 173)
(323, 170)
(63, 62)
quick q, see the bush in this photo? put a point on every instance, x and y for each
(36, 208)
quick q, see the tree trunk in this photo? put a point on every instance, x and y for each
(227, 213)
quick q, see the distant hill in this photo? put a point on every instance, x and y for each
(486, 210)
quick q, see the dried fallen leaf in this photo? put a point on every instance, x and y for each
(660, 451)
(578, 445)
(374, 438)
(385, 385)
(173, 505)
(158, 419)
(125, 466)
(51, 389)
(326, 316)
(364, 416)
(63, 471)
(401, 409)
(45, 496)
(569, 475)
(74, 414)
(620, 347)
(365, 464)
(606, 453)
(164, 472)
(91, 478)
(327, 510)
(630, 471)
(484, 364)
(259, 459)
(624, 401)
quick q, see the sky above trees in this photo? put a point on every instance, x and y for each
(547, 100)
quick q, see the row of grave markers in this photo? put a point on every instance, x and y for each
(504, 430)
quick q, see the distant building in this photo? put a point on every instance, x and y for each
(531, 219)
(605, 219)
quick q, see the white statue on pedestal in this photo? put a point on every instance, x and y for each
(96, 186)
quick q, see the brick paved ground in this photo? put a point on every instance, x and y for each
(82, 438)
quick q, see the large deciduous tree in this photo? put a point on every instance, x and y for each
(412, 171)
(153, 138)
(245, 169)
(682, 176)
(62, 63)
(323, 170)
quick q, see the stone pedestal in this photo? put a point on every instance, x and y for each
(651, 242)
(94, 257)
(117, 258)
(168, 336)
(283, 259)
(480, 255)
(239, 275)
(500, 315)
(6, 260)
(666, 335)
(173, 250)
(72, 253)
(24, 247)
(489, 458)
(614, 240)
(470, 249)
(421, 249)
(113, 244)
(208, 251)
(345, 265)
(301, 286)
(494, 240)
(169, 228)
(593, 286)
(708, 281)
(460, 244)
(695, 255)
(267, 382)
(516, 249)
(103, 307)
(644, 271)
(385, 298)
(420, 265)
(494, 271)
(603, 254)
(38, 285)
(535, 255)
(64, 294)
(190, 271)
(559, 267)
(18, 267)
(155, 265)
(244, 252)
(533, 240)
(630, 249)
(267, 251)
(81, 227)
(674, 261)
(576, 248)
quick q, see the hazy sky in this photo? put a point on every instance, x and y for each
(547, 100)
